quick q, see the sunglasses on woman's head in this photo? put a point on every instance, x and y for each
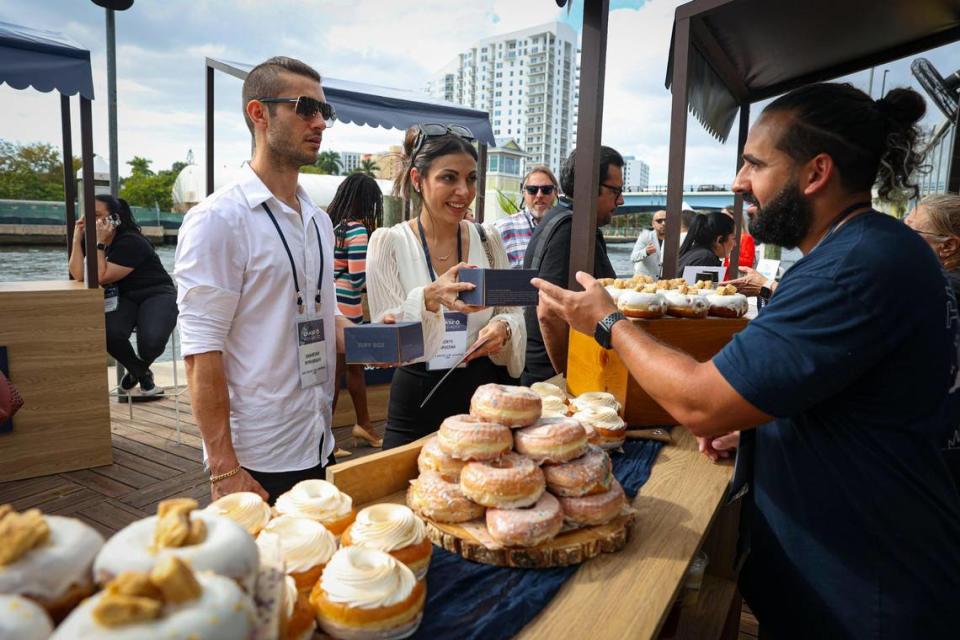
(307, 108)
(545, 189)
(427, 131)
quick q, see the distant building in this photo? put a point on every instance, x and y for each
(505, 166)
(527, 82)
(389, 163)
(349, 160)
(636, 174)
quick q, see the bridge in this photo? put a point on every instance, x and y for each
(649, 201)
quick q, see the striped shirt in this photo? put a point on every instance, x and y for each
(350, 270)
(516, 230)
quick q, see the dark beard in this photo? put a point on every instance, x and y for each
(786, 219)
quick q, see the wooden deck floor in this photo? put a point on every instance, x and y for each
(149, 466)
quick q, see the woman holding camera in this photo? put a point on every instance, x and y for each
(138, 292)
(412, 275)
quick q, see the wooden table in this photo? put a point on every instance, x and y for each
(628, 594)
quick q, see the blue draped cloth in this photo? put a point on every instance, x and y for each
(468, 600)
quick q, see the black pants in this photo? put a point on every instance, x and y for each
(406, 421)
(281, 482)
(153, 312)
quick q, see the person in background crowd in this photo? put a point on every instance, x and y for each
(549, 253)
(412, 275)
(254, 269)
(687, 216)
(748, 247)
(139, 293)
(842, 392)
(647, 254)
(539, 188)
(709, 240)
(355, 211)
(937, 219)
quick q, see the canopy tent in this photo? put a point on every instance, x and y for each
(371, 105)
(727, 54)
(49, 61)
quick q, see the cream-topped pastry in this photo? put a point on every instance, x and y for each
(318, 500)
(395, 529)
(305, 546)
(365, 593)
(727, 303)
(299, 618)
(22, 619)
(245, 508)
(47, 558)
(548, 390)
(615, 292)
(553, 407)
(683, 303)
(611, 430)
(595, 399)
(225, 549)
(643, 303)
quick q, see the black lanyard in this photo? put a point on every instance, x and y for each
(293, 266)
(426, 249)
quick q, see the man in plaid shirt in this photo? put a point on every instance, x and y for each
(540, 188)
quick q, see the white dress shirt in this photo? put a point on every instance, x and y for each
(643, 264)
(236, 295)
(397, 273)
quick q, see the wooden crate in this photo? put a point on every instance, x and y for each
(592, 368)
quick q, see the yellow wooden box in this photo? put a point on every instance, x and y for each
(592, 368)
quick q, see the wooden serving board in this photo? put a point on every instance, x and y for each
(570, 547)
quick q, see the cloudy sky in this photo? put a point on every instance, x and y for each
(161, 46)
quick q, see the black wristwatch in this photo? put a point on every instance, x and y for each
(765, 292)
(101, 246)
(602, 334)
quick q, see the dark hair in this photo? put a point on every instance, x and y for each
(118, 207)
(687, 216)
(358, 198)
(705, 229)
(870, 142)
(608, 156)
(264, 81)
(539, 168)
(432, 149)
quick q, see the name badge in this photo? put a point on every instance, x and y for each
(311, 351)
(454, 342)
(111, 298)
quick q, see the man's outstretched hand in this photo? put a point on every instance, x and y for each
(582, 310)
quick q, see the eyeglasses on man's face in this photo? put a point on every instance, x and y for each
(617, 191)
(307, 108)
(545, 189)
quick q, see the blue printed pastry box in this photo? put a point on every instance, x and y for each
(383, 343)
(500, 287)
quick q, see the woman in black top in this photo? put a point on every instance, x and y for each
(138, 291)
(709, 240)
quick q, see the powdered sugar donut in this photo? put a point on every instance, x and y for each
(590, 473)
(512, 406)
(436, 498)
(552, 440)
(470, 438)
(432, 458)
(598, 508)
(526, 527)
(511, 482)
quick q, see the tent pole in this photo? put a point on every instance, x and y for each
(69, 182)
(678, 146)
(208, 152)
(481, 183)
(734, 270)
(89, 216)
(589, 131)
(112, 103)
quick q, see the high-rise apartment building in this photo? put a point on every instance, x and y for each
(636, 174)
(526, 81)
(349, 162)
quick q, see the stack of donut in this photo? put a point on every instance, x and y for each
(525, 473)
(641, 297)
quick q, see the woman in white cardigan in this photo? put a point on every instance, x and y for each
(412, 275)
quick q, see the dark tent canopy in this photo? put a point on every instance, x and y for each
(44, 60)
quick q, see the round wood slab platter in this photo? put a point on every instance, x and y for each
(569, 547)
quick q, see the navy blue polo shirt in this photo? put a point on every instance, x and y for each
(855, 527)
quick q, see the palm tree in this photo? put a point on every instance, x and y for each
(368, 167)
(328, 162)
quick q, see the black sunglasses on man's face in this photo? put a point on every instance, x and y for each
(307, 108)
(545, 189)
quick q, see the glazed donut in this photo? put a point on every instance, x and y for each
(511, 482)
(610, 429)
(227, 550)
(727, 303)
(433, 497)
(432, 458)
(599, 508)
(595, 399)
(553, 440)
(469, 438)
(682, 303)
(507, 405)
(642, 304)
(526, 527)
(590, 473)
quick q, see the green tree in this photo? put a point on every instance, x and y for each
(31, 172)
(140, 166)
(367, 167)
(508, 204)
(328, 163)
(144, 188)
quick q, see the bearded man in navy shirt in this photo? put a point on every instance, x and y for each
(844, 387)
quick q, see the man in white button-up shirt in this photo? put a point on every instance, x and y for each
(265, 424)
